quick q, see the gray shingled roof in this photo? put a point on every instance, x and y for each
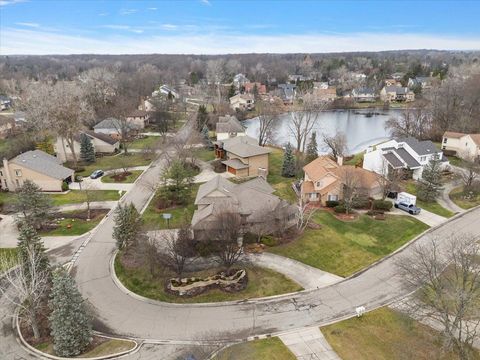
(407, 158)
(217, 183)
(244, 146)
(235, 163)
(393, 160)
(420, 147)
(229, 124)
(43, 163)
(109, 123)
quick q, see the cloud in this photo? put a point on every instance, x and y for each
(206, 2)
(152, 8)
(123, 27)
(169, 27)
(29, 41)
(28, 24)
(103, 14)
(11, 2)
(128, 11)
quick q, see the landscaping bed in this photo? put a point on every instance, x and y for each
(265, 349)
(261, 282)
(122, 177)
(385, 334)
(74, 223)
(466, 200)
(344, 248)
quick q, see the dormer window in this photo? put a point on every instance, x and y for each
(18, 172)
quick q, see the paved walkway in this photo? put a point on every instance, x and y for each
(307, 276)
(444, 198)
(309, 344)
(8, 231)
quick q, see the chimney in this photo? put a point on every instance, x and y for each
(340, 160)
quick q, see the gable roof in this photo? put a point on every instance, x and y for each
(41, 162)
(320, 167)
(453, 134)
(229, 124)
(217, 183)
(407, 158)
(103, 137)
(475, 138)
(138, 113)
(425, 147)
(393, 160)
(109, 123)
(244, 146)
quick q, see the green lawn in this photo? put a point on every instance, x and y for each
(107, 347)
(144, 142)
(465, 201)
(134, 174)
(204, 154)
(7, 253)
(77, 196)
(78, 226)
(113, 162)
(433, 207)
(344, 248)
(265, 349)
(261, 282)
(282, 185)
(357, 159)
(153, 220)
(385, 334)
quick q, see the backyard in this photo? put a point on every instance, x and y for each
(261, 282)
(282, 185)
(385, 334)
(466, 200)
(204, 154)
(267, 349)
(144, 142)
(344, 248)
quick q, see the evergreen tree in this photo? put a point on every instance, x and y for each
(288, 168)
(33, 205)
(87, 152)
(430, 183)
(30, 242)
(206, 137)
(70, 323)
(178, 180)
(231, 91)
(312, 150)
(127, 225)
(202, 117)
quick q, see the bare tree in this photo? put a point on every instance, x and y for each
(25, 285)
(411, 122)
(388, 179)
(448, 281)
(179, 249)
(350, 183)
(88, 189)
(304, 215)
(336, 143)
(470, 172)
(216, 75)
(227, 231)
(303, 122)
(267, 116)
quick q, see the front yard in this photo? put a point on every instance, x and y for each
(282, 185)
(433, 207)
(77, 197)
(204, 154)
(153, 219)
(466, 200)
(75, 223)
(261, 282)
(112, 162)
(265, 349)
(344, 248)
(385, 334)
(144, 142)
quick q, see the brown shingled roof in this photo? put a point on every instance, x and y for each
(452, 134)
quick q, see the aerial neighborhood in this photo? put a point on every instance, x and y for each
(245, 205)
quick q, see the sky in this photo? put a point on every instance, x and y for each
(39, 27)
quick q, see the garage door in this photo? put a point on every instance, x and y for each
(232, 170)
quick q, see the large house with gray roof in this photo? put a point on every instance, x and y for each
(242, 156)
(37, 166)
(228, 126)
(408, 155)
(102, 144)
(253, 200)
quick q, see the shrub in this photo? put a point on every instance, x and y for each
(64, 186)
(375, 212)
(269, 240)
(332, 203)
(205, 248)
(382, 205)
(340, 209)
(361, 203)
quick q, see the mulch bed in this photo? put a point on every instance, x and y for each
(82, 214)
(120, 177)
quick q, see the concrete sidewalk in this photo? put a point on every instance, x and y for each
(309, 344)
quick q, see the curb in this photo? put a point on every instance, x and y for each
(30, 349)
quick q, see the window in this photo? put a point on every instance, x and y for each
(423, 158)
(18, 172)
(18, 182)
(332, 197)
(319, 184)
(1, 174)
(445, 140)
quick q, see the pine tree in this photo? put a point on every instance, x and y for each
(206, 137)
(30, 242)
(87, 152)
(127, 225)
(430, 183)
(231, 91)
(202, 117)
(288, 168)
(312, 150)
(70, 323)
(33, 205)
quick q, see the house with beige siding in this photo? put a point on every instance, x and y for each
(102, 144)
(465, 146)
(242, 156)
(139, 118)
(37, 166)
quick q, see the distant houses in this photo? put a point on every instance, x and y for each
(37, 166)
(102, 144)
(364, 94)
(240, 80)
(139, 118)
(396, 93)
(242, 102)
(114, 128)
(228, 127)
(287, 93)
(5, 102)
(465, 146)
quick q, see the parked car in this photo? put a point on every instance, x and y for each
(410, 208)
(96, 174)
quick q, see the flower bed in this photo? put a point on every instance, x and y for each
(229, 281)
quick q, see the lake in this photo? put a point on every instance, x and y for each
(361, 130)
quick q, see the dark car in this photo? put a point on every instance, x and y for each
(411, 209)
(96, 174)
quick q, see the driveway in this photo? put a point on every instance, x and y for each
(425, 216)
(97, 184)
(308, 344)
(127, 314)
(8, 231)
(207, 173)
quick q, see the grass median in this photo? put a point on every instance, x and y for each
(265, 349)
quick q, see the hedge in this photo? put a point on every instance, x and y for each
(340, 209)
(382, 205)
(332, 203)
